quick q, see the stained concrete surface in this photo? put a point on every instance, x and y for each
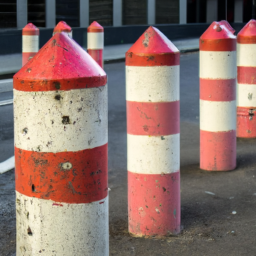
(208, 225)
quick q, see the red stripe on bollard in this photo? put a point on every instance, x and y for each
(148, 118)
(246, 75)
(153, 128)
(145, 210)
(218, 150)
(218, 90)
(246, 81)
(70, 177)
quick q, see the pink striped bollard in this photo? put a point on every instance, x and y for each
(217, 99)
(62, 26)
(246, 81)
(95, 42)
(153, 135)
(30, 42)
(61, 152)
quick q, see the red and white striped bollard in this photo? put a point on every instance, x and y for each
(30, 42)
(61, 141)
(95, 42)
(153, 134)
(246, 81)
(217, 99)
(62, 26)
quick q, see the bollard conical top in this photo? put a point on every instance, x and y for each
(217, 37)
(228, 26)
(153, 48)
(61, 64)
(30, 29)
(247, 34)
(95, 27)
(62, 26)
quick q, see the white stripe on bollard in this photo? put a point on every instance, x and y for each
(152, 83)
(166, 149)
(218, 63)
(95, 40)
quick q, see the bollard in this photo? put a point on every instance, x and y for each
(217, 99)
(62, 26)
(60, 113)
(153, 135)
(246, 81)
(30, 42)
(228, 26)
(95, 42)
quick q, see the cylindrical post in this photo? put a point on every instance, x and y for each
(60, 113)
(30, 42)
(153, 135)
(217, 99)
(95, 42)
(62, 26)
(246, 81)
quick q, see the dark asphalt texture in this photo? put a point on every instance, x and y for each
(208, 225)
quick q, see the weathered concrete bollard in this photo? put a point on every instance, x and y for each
(60, 119)
(95, 42)
(62, 26)
(30, 42)
(217, 99)
(246, 81)
(153, 127)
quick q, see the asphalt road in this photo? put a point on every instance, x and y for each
(209, 227)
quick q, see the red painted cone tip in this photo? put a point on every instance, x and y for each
(229, 27)
(95, 27)
(248, 33)
(30, 26)
(217, 31)
(153, 41)
(30, 30)
(62, 26)
(60, 60)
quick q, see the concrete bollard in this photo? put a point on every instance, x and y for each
(60, 114)
(30, 42)
(246, 81)
(62, 26)
(153, 135)
(95, 42)
(217, 99)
